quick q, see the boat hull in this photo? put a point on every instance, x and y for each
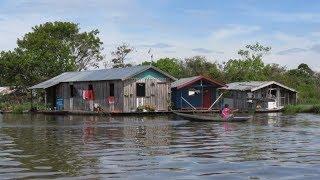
(193, 117)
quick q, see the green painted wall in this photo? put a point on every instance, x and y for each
(150, 74)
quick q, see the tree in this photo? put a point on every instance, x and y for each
(87, 50)
(62, 46)
(11, 68)
(274, 72)
(199, 65)
(49, 50)
(170, 65)
(250, 66)
(120, 55)
(254, 51)
(306, 69)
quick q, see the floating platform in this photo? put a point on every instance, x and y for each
(103, 113)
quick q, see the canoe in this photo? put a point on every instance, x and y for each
(200, 117)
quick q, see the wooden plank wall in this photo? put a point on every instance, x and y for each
(259, 97)
(157, 93)
(101, 92)
(51, 97)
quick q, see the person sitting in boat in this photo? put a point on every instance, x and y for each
(226, 112)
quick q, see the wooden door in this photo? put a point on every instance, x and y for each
(207, 98)
(162, 97)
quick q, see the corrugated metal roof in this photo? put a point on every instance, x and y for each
(183, 81)
(254, 85)
(187, 81)
(96, 75)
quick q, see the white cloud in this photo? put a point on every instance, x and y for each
(291, 51)
(234, 30)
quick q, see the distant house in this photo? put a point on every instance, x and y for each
(196, 92)
(113, 90)
(259, 95)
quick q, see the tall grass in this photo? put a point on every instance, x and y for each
(302, 108)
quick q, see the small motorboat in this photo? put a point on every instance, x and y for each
(213, 118)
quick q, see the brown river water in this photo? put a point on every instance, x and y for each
(270, 146)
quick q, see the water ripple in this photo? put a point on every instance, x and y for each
(74, 147)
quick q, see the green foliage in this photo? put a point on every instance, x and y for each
(244, 70)
(254, 51)
(170, 65)
(120, 55)
(193, 66)
(250, 67)
(49, 50)
(22, 107)
(302, 108)
(199, 65)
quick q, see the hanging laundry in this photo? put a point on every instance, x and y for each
(84, 94)
(88, 95)
(111, 99)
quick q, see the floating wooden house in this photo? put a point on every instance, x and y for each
(112, 90)
(259, 95)
(196, 92)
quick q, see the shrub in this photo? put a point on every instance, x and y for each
(147, 107)
(302, 108)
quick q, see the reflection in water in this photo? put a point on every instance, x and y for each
(270, 146)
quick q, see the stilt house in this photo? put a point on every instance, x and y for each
(259, 95)
(112, 90)
(196, 92)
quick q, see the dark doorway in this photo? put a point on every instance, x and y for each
(141, 89)
(111, 87)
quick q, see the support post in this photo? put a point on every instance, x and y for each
(181, 99)
(188, 103)
(215, 101)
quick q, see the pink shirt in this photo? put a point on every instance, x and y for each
(226, 112)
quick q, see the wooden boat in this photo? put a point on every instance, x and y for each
(201, 117)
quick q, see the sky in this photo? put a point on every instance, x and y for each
(180, 28)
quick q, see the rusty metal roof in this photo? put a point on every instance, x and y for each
(97, 75)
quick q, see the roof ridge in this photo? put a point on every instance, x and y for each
(90, 70)
(98, 75)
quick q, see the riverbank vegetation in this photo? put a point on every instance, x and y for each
(249, 67)
(302, 108)
(20, 108)
(56, 47)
